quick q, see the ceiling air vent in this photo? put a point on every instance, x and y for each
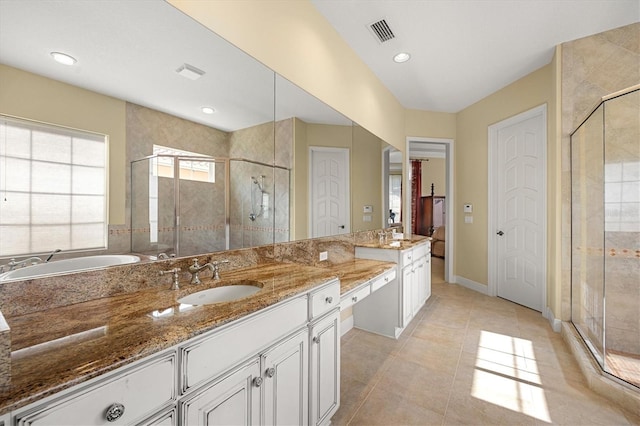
(382, 31)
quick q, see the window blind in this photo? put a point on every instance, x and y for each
(52, 188)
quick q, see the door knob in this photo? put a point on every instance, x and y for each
(500, 233)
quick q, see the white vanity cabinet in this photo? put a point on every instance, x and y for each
(280, 365)
(389, 310)
(126, 397)
(273, 384)
(234, 399)
(286, 381)
(324, 361)
(324, 377)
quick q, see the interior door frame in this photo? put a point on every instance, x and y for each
(449, 200)
(492, 242)
(345, 152)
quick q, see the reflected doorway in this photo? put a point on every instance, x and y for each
(422, 149)
(329, 211)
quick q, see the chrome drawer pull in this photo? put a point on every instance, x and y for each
(257, 382)
(316, 339)
(354, 299)
(329, 299)
(271, 372)
(114, 412)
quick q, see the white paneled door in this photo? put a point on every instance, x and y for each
(329, 191)
(518, 208)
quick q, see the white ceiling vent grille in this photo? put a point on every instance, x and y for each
(382, 31)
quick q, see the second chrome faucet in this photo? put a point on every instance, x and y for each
(196, 268)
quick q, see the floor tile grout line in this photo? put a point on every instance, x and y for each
(373, 387)
(455, 374)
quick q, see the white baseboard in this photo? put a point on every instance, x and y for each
(555, 323)
(346, 325)
(471, 285)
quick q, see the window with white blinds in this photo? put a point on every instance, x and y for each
(52, 188)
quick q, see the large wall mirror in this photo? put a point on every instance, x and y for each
(248, 170)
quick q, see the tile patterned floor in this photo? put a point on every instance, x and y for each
(468, 359)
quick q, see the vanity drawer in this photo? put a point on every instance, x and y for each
(140, 391)
(324, 299)
(383, 280)
(224, 348)
(420, 250)
(407, 257)
(354, 297)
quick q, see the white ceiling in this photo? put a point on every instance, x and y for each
(463, 50)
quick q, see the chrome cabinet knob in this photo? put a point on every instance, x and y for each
(257, 382)
(114, 412)
(316, 339)
(500, 233)
(271, 372)
(354, 299)
(329, 299)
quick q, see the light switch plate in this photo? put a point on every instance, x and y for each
(324, 255)
(468, 219)
(366, 218)
(468, 208)
(367, 209)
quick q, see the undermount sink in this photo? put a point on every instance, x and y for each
(227, 293)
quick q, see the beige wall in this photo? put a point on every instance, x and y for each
(434, 171)
(316, 59)
(471, 153)
(430, 124)
(366, 180)
(34, 97)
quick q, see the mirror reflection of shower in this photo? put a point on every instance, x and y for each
(258, 195)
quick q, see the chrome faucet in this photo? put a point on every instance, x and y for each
(216, 272)
(162, 256)
(195, 270)
(34, 260)
(175, 285)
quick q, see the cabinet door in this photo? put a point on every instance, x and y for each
(324, 377)
(419, 281)
(286, 371)
(427, 274)
(407, 295)
(233, 400)
(168, 417)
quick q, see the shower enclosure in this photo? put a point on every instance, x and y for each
(605, 229)
(215, 204)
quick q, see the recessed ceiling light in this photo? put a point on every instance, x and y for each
(208, 110)
(190, 72)
(401, 57)
(63, 58)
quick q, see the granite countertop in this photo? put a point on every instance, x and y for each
(402, 244)
(58, 348)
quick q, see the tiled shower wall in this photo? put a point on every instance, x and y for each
(594, 67)
(201, 204)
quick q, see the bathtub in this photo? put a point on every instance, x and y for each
(69, 265)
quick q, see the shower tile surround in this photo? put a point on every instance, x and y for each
(146, 127)
(21, 298)
(594, 67)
